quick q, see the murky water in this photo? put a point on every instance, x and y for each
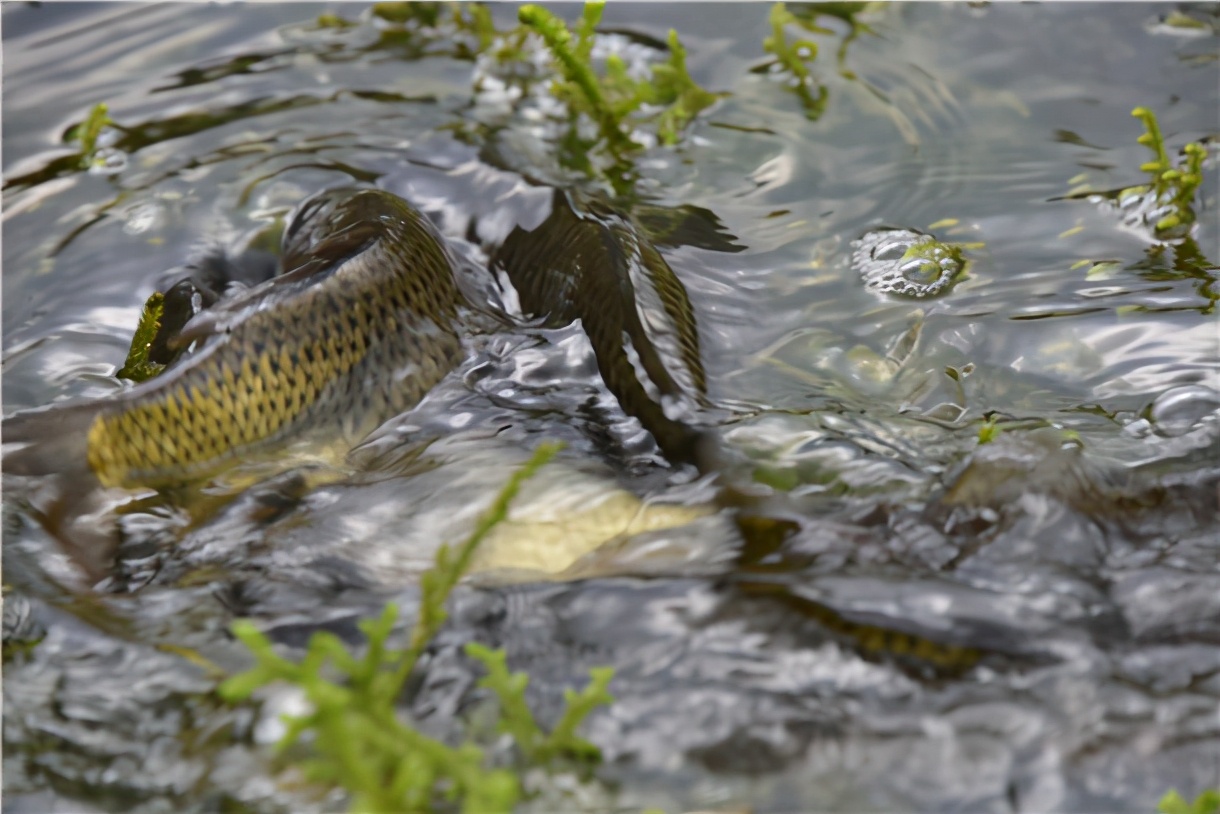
(1025, 625)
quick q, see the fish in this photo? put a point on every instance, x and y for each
(591, 261)
(363, 320)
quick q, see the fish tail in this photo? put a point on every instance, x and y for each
(50, 444)
(47, 441)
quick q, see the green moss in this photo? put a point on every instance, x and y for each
(359, 740)
(1208, 802)
(137, 367)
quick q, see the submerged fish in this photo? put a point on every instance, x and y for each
(360, 325)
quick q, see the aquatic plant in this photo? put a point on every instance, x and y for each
(86, 133)
(469, 18)
(137, 366)
(615, 101)
(794, 58)
(537, 746)
(1172, 188)
(423, 13)
(989, 430)
(1208, 802)
(361, 742)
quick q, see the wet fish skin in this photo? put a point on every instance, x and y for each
(592, 262)
(359, 327)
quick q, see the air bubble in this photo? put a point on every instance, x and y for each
(1179, 410)
(906, 262)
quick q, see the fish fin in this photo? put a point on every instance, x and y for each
(51, 444)
(686, 225)
(48, 440)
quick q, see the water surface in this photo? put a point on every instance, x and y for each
(1026, 625)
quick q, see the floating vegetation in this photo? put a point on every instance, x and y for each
(138, 367)
(470, 18)
(1167, 203)
(423, 13)
(907, 262)
(359, 740)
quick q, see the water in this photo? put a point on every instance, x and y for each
(1027, 625)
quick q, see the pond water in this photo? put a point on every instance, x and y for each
(1030, 624)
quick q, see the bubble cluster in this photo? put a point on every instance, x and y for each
(906, 262)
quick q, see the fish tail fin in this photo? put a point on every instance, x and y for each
(49, 446)
(47, 441)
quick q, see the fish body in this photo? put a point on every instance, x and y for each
(359, 326)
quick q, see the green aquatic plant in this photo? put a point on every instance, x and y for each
(87, 132)
(1172, 186)
(795, 57)
(989, 431)
(539, 747)
(137, 366)
(1208, 802)
(669, 98)
(361, 742)
(423, 13)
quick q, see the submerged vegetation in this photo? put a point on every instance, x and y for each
(358, 738)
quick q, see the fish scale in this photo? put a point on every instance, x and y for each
(320, 356)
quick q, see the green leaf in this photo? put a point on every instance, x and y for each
(137, 368)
